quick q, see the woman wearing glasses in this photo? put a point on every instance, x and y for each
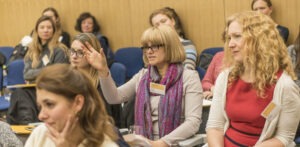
(77, 59)
(168, 96)
(44, 50)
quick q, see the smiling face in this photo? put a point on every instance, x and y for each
(45, 31)
(262, 7)
(76, 59)
(87, 25)
(161, 19)
(54, 109)
(236, 41)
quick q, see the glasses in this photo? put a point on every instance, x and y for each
(78, 53)
(153, 48)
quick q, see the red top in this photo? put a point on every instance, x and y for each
(213, 71)
(244, 108)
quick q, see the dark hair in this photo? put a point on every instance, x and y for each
(171, 13)
(64, 80)
(269, 3)
(84, 16)
(297, 50)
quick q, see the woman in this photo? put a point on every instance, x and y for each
(87, 23)
(77, 59)
(265, 7)
(71, 109)
(64, 37)
(259, 103)
(44, 50)
(168, 96)
(168, 16)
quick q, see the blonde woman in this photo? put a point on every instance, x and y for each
(255, 102)
(44, 50)
(168, 96)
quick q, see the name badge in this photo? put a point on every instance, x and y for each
(271, 111)
(157, 88)
(45, 60)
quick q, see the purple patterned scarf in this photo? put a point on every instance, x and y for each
(169, 109)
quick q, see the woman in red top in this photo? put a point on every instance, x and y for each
(255, 101)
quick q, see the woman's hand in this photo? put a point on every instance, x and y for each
(63, 138)
(207, 94)
(95, 59)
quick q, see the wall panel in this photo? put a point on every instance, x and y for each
(123, 21)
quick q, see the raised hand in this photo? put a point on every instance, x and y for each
(63, 138)
(96, 59)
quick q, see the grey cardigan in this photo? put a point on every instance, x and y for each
(283, 126)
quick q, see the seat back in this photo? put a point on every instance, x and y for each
(206, 56)
(4, 103)
(201, 72)
(118, 73)
(15, 72)
(132, 58)
(7, 51)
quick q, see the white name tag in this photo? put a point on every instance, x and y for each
(45, 60)
(271, 111)
(157, 88)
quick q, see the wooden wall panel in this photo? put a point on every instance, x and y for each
(123, 21)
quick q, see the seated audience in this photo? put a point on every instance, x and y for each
(168, 96)
(255, 101)
(87, 23)
(77, 59)
(168, 16)
(72, 111)
(64, 37)
(211, 75)
(44, 50)
(8, 137)
(265, 7)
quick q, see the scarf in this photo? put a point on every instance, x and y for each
(169, 109)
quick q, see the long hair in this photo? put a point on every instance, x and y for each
(264, 51)
(297, 50)
(58, 23)
(82, 17)
(64, 80)
(171, 13)
(92, 40)
(35, 47)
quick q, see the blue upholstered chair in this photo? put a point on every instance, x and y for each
(15, 72)
(132, 58)
(7, 51)
(118, 73)
(206, 56)
(201, 72)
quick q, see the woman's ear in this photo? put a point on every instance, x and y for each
(78, 102)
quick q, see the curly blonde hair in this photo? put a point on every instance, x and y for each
(265, 52)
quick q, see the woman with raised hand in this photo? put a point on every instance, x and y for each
(255, 101)
(168, 96)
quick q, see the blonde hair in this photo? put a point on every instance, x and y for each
(64, 80)
(264, 50)
(167, 37)
(93, 41)
(35, 47)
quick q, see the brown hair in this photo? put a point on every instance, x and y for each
(64, 80)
